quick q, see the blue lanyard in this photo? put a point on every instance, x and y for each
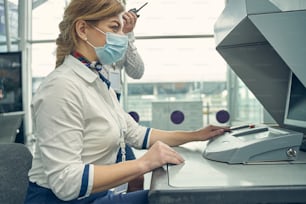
(92, 65)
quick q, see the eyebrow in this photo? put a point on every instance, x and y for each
(116, 21)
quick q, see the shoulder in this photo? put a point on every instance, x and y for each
(61, 82)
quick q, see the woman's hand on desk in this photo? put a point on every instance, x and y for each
(176, 138)
(211, 131)
(160, 154)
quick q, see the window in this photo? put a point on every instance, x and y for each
(175, 39)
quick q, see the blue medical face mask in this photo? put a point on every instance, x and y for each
(114, 48)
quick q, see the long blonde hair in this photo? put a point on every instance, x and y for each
(88, 10)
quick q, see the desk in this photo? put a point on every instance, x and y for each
(199, 180)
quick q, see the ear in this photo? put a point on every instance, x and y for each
(81, 29)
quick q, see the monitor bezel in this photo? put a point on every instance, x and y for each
(288, 121)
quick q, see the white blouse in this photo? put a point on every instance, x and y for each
(77, 122)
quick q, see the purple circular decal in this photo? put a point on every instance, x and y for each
(134, 115)
(177, 117)
(222, 116)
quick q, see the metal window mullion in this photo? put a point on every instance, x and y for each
(153, 37)
(7, 25)
(25, 30)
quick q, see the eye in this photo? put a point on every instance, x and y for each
(115, 27)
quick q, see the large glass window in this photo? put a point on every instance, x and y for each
(176, 41)
(176, 17)
(11, 29)
(46, 15)
(45, 19)
(181, 64)
(42, 65)
(178, 69)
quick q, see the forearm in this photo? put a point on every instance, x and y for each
(173, 138)
(134, 66)
(110, 176)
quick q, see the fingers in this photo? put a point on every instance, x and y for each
(216, 132)
(214, 127)
(160, 154)
(130, 17)
(171, 156)
(130, 20)
(212, 131)
(167, 154)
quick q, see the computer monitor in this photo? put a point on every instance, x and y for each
(9, 126)
(10, 82)
(295, 113)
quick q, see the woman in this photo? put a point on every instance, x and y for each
(80, 125)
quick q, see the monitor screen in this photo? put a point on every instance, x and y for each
(10, 82)
(295, 113)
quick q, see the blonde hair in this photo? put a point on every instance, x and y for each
(88, 10)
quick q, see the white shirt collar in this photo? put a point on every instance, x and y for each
(81, 69)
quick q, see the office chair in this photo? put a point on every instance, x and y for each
(15, 162)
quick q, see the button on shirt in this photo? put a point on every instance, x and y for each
(77, 122)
